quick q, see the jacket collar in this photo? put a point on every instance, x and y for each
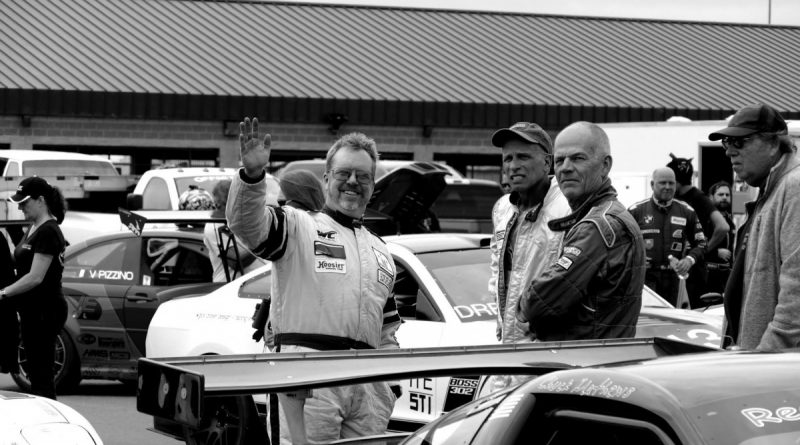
(341, 218)
(604, 193)
(788, 162)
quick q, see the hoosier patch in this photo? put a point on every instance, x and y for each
(564, 262)
(330, 265)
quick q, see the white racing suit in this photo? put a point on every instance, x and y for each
(331, 289)
(534, 248)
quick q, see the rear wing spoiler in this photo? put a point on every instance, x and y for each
(175, 388)
(135, 221)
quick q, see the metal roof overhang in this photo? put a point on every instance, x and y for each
(96, 104)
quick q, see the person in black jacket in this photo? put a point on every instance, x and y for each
(9, 326)
(37, 293)
(670, 228)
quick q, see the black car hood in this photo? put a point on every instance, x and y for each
(402, 199)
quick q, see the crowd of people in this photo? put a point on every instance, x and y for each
(568, 260)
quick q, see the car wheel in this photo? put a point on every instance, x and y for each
(67, 366)
(227, 421)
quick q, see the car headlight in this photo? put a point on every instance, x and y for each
(60, 433)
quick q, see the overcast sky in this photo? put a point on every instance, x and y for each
(776, 12)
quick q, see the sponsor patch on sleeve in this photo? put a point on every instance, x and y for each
(500, 235)
(385, 269)
(570, 250)
(564, 262)
(385, 278)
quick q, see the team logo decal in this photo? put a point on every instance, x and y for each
(648, 219)
(331, 235)
(678, 220)
(677, 234)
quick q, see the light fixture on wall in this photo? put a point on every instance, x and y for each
(335, 121)
(26, 120)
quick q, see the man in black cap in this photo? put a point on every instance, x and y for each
(594, 289)
(762, 296)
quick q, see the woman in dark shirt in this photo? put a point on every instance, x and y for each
(39, 259)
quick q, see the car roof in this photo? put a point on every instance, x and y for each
(438, 242)
(188, 233)
(27, 155)
(717, 373)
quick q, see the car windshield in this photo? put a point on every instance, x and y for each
(68, 167)
(463, 275)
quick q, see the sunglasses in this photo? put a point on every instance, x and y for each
(735, 142)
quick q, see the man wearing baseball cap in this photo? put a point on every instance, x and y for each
(762, 296)
(522, 244)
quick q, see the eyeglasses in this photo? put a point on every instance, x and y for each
(735, 142)
(343, 174)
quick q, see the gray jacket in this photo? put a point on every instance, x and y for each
(770, 305)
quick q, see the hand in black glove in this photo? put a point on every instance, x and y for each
(258, 334)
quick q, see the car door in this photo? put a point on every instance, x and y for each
(166, 262)
(95, 282)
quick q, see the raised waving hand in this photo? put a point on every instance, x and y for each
(254, 151)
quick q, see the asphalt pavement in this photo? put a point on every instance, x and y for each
(111, 408)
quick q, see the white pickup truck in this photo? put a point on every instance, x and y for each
(78, 176)
(160, 189)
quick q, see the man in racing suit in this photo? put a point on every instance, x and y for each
(594, 290)
(331, 285)
(669, 227)
(522, 244)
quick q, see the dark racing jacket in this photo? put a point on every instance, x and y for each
(668, 230)
(594, 290)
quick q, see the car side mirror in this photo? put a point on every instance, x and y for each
(134, 201)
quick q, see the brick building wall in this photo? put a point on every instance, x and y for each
(460, 147)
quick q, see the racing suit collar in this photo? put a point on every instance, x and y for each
(342, 219)
(604, 193)
(662, 206)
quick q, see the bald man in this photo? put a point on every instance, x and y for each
(670, 228)
(594, 289)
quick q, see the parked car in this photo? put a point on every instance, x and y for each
(32, 420)
(442, 297)
(113, 284)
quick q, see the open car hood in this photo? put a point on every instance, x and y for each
(402, 199)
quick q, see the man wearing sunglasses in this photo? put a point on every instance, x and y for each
(332, 282)
(762, 296)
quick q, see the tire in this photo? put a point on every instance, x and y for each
(227, 421)
(67, 366)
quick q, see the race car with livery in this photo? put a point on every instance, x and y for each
(113, 284)
(626, 391)
(442, 296)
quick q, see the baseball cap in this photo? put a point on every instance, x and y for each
(30, 187)
(759, 118)
(525, 131)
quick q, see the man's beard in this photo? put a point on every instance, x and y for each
(723, 206)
